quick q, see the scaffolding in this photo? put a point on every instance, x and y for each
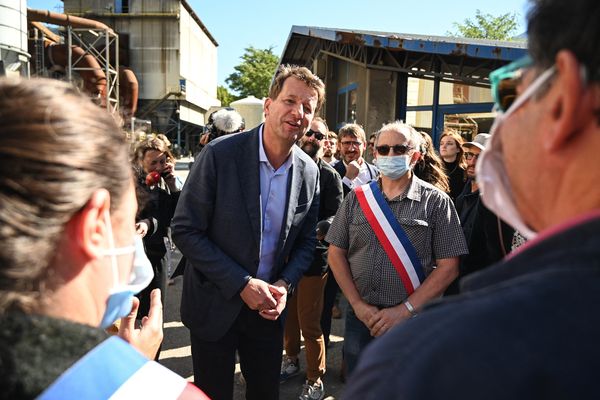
(103, 45)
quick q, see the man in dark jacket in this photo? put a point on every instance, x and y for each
(304, 308)
(526, 328)
(489, 238)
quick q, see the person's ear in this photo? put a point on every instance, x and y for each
(89, 227)
(266, 106)
(569, 104)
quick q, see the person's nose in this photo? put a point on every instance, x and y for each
(298, 110)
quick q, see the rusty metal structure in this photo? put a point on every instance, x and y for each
(371, 76)
(88, 50)
(173, 55)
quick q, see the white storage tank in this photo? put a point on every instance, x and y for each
(251, 109)
(14, 58)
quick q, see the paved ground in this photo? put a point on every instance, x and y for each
(176, 353)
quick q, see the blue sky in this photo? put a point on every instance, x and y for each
(237, 24)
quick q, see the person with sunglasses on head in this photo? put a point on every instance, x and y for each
(528, 326)
(489, 238)
(394, 243)
(353, 168)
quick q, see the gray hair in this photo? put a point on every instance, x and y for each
(227, 121)
(414, 138)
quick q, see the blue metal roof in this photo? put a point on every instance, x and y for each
(453, 46)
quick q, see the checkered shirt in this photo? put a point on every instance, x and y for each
(429, 219)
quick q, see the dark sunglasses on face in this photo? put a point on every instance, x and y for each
(505, 81)
(318, 135)
(469, 155)
(399, 149)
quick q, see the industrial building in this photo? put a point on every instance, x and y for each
(149, 60)
(377, 77)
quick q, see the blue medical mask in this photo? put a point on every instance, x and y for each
(393, 167)
(120, 298)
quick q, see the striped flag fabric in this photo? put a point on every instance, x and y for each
(391, 236)
(115, 370)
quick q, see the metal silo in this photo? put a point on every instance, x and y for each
(14, 58)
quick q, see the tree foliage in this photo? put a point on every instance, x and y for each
(253, 75)
(225, 96)
(487, 26)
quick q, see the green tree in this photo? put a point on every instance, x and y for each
(224, 96)
(487, 26)
(253, 76)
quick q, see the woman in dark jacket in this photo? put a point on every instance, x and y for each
(157, 194)
(451, 152)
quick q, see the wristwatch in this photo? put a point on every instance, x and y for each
(410, 308)
(288, 284)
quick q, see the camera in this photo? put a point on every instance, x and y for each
(165, 174)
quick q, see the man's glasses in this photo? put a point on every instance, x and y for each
(469, 156)
(505, 81)
(399, 149)
(351, 143)
(318, 135)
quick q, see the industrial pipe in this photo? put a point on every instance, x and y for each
(93, 76)
(65, 19)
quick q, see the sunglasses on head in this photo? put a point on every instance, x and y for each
(399, 149)
(318, 135)
(505, 81)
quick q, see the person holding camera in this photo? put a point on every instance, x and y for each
(157, 193)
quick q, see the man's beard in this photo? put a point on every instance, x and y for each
(327, 152)
(311, 148)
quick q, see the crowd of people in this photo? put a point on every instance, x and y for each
(468, 273)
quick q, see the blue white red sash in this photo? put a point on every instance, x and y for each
(115, 370)
(392, 237)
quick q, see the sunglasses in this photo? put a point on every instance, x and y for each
(505, 81)
(399, 149)
(470, 156)
(318, 135)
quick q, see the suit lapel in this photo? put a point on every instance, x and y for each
(295, 179)
(248, 170)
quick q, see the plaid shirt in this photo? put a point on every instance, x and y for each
(429, 219)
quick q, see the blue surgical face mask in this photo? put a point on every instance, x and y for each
(120, 299)
(393, 167)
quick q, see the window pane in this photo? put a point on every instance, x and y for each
(458, 93)
(419, 92)
(421, 120)
(469, 125)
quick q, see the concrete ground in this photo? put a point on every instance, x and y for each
(176, 352)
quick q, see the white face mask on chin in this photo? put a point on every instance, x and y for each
(492, 177)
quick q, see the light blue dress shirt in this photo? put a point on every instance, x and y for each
(273, 196)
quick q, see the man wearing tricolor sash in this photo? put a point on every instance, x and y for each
(395, 243)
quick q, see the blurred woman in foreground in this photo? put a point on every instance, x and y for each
(70, 260)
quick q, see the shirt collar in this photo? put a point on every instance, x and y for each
(262, 156)
(413, 192)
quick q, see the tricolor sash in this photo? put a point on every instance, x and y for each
(115, 370)
(391, 236)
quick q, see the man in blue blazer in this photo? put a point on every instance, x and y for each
(246, 223)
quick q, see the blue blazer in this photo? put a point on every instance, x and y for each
(217, 227)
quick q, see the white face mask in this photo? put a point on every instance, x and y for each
(120, 299)
(491, 173)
